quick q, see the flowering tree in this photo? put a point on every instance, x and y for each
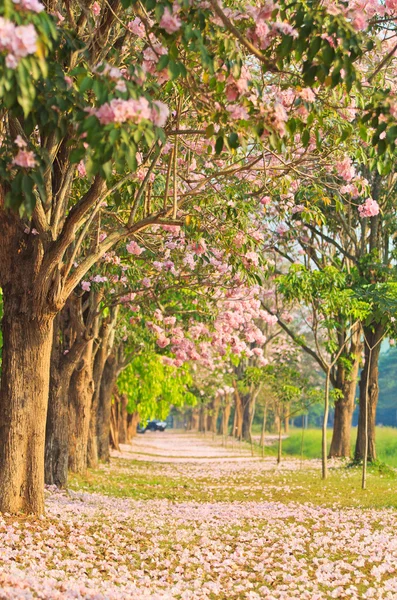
(95, 95)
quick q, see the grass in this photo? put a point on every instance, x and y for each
(147, 481)
(386, 444)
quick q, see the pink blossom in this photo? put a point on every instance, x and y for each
(345, 169)
(102, 236)
(170, 22)
(252, 258)
(96, 9)
(146, 282)
(25, 159)
(159, 114)
(81, 169)
(11, 61)
(134, 248)
(359, 20)
(237, 112)
(391, 5)
(86, 286)
(68, 81)
(20, 142)
(307, 94)
(370, 208)
(137, 27)
(18, 40)
(163, 341)
(120, 111)
(33, 5)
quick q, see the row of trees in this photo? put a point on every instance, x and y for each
(141, 142)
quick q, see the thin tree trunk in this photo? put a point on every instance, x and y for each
(123, 419)
(108, 382)
(369, 400)
(195, 420)
(27, 342)
(215, 412)
(238, 414)
(263, 432)
(324, 454)
(226, 418)
(286, 418)
(115, 422)
(279, 447)
(248, 415)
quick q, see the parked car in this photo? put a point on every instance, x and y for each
(156, 425)
(153, 425)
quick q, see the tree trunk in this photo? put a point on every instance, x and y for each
(248, 414)
(108, 382)
(115, 422)
(344, 407)
(57, 430)
(195, 419)
(27, 341)
(69, 341)
(214, 413)
(238, 414)
(324, 454)
(226, 418)
(107, 338)
(374, 341)
(286, 418)
(132, 423)
(123, 419)
(80, 398)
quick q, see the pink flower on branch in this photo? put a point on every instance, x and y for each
(170, 22)
(25, 159)
(33, 5)
(134, 248)
(370, 208)
(96, 9)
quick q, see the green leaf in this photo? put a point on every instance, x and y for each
(219, 145)
(232, 140)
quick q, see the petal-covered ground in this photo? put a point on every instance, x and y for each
(192, 522)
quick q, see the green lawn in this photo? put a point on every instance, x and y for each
(386, 444)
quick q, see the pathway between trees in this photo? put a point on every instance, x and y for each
(179, 516)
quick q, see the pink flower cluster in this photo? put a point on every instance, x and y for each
(170, 22)
(17, 40)
(33, 5)
(120, 111)
(345, 169)
(25, 159)
(370, 208)
(134, 248)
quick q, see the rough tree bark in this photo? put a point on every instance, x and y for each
(123, 419)
(108, 381)
(115, 420)
(29, 310)
(132, 423)
(80, 398)
(346, 382)
(27, 341)
(373, 338)
(71, 335)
